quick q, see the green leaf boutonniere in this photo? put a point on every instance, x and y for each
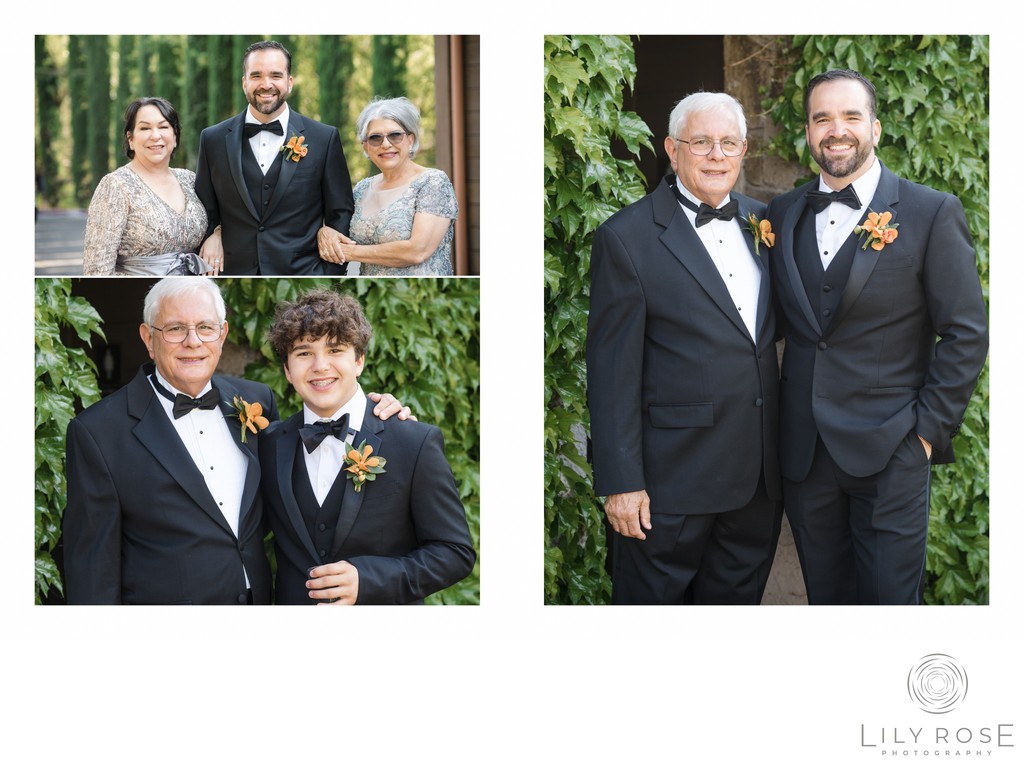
(294, 150)
(762, 231)
(251, 416)
(360, 466)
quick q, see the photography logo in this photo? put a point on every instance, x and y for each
(937, 683)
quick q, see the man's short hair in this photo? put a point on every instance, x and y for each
(320, 313)
(705, 102)
(265, 45)
(841, 74)
(170, 287)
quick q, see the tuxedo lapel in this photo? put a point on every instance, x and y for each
(156, 433)
(788, 236)
(684, 244)
(296, 125)
(285, 452)
(233, 147)
(886, 198)
(228, 392)
(352, 501)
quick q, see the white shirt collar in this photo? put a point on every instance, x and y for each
(283, 117)
(173, 390)
(690, 196)
(865, 186)
(355, 407)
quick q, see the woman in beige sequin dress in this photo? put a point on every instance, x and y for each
(404, 218)
(145, 218)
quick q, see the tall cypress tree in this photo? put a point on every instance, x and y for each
(80, 190)
(193, 111)
(127, 75)
(334, 68)
(238, 46)
(97, 81)
(388, 54)
(48, 124)
(223, 78)
(144, 60)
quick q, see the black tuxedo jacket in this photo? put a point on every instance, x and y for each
(875, 372)
(140, 525)
(405, 532)
(683, 402)
(280, 240)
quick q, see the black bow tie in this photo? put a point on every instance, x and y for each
(819, 200)
(314, 433)
(183, 404)
(705, 212)
(252, 128)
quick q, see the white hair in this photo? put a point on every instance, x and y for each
(705, 102)
(401, 110)
(169, 287)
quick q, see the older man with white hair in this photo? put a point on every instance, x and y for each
(163, 475)
(683, 375)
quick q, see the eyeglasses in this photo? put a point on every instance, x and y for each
(394, 137)
(178, 332)
(702, 147)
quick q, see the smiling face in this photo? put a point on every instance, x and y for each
(712, 177)
(188, 365)
(324, 373)
(841, 132)
(266, 83)
(388, 156)
(152, 137)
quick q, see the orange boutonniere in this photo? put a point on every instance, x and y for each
(251, 416)
(294, 150)
(360, 466)
(877, 230)
(762, 231)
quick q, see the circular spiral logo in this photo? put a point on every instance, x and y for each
(937, 683)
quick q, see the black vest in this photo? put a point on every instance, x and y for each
(824, 287)
(321, 521)
(261, 187)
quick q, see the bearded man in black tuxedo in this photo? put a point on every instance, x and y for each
(886, 333)
(271, 178)
(682, 376)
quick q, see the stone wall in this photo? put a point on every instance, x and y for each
(755, 68)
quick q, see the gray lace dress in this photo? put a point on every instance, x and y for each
(128, 220)
(378, 219)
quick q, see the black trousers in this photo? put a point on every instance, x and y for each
(714, 558)
(861, 540)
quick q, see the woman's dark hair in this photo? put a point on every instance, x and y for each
(166, 110)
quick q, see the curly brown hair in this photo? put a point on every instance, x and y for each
(320, 313)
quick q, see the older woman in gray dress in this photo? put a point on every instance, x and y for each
(404, 218)
(145, 217)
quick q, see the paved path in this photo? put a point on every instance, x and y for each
(59, 238)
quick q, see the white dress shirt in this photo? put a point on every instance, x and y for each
(325, 462)
(836, 222)
(726, 243)
(212, 448)
(266, 145)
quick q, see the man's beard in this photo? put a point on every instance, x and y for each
(264, 107)
(839, 167)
